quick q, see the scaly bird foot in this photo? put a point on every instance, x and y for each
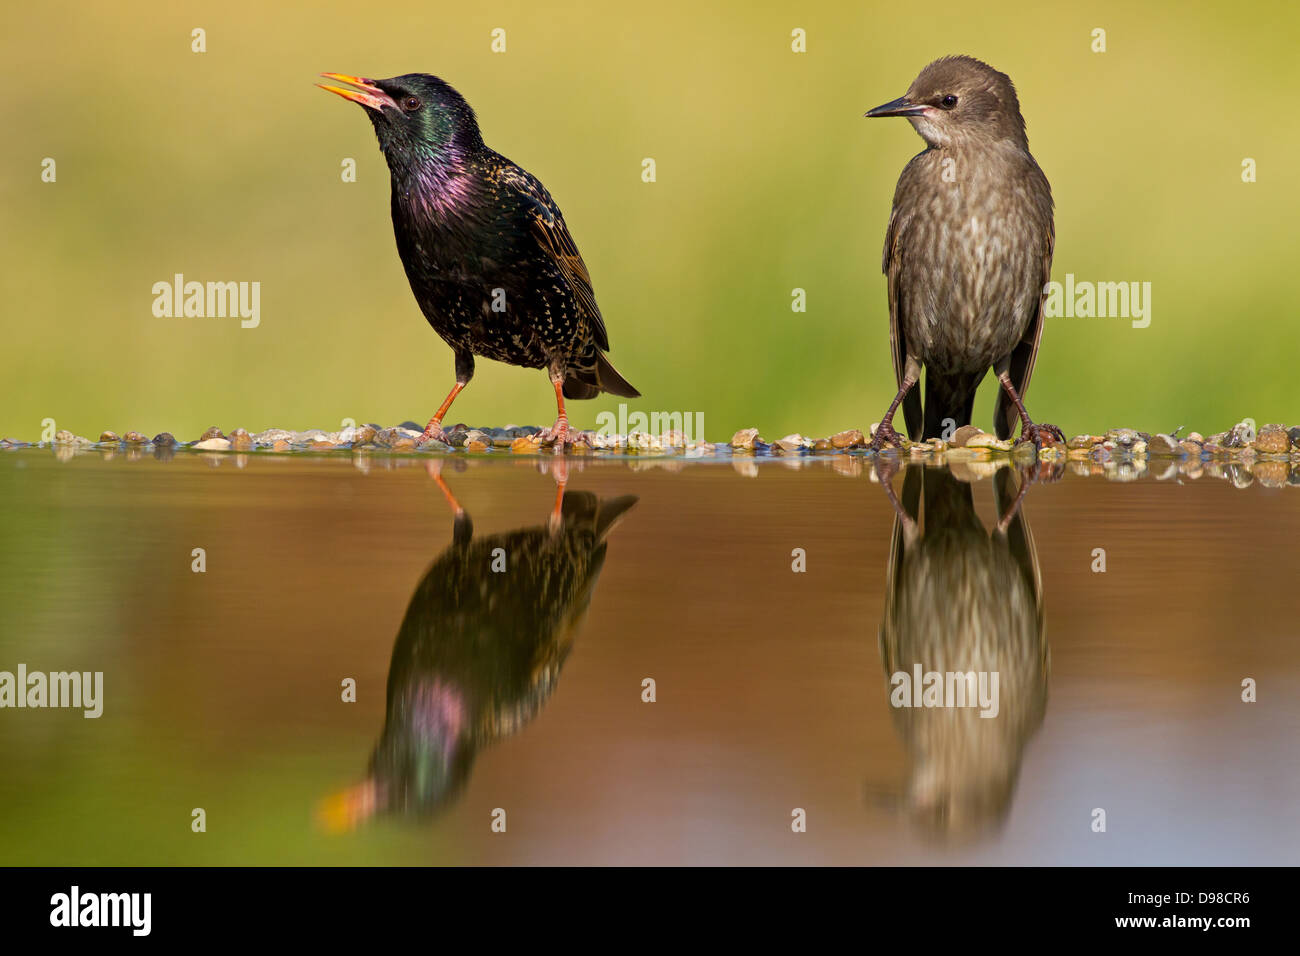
(558, 435)
(1039, 433)
(433, 432)
(885, 434)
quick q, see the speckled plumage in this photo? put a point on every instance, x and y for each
(486, 249)
(479, 651)
(961, 600)
(968, 250)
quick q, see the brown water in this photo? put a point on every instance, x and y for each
(222, 689)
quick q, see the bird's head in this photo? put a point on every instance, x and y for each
(416, 116)
(958, 100)
(420, 764)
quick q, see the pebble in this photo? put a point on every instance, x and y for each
(212, 444)
(984, 440)
(1191, 447)
(1163, 446)
(1273, 440)
(135, 438)
(164, 440)
(213, 432)
(745, 438)
(240, 440)
(790, 443)
(109, 437)
(853, 438)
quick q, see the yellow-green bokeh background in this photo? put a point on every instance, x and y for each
(225, 166)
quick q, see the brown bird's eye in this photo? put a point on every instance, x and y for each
(411, 104)
(948, 102)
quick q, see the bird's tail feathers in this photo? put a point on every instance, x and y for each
(603, 378)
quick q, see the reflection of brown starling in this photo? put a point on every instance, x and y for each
(967, 253)
(478, 654)
(961, 600)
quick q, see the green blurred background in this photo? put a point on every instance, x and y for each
(226, 166)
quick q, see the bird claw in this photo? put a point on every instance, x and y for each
(558, 435)
(1037, 433)
(433, 432)
(885, 434)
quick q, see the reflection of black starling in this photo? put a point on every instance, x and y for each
(960, 600)
(478, 654)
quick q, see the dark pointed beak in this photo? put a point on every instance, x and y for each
(899, 107)
(366, 93)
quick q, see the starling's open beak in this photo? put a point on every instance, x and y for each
(899, 107)
(367, 94)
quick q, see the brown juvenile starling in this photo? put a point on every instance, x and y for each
(962, 601)
(485, 248)
(968, 253)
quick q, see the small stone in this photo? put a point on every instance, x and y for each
(135, 438)
(1163, 445)
(1191, 447)
(852, 438)
(983, 440)
(1196, 437)
(1241, 435)
(1139, 447)
(64, 437)
(272, 435)
(213, 432)
(475, 445)
(212, 444)
(280, 445)
(1126, 437)
(402, 443)
(240, 440)
(434, 445)
(1294, 435)
(790, 443)
(744, 438)
(363, 434)
(1271, 474)
(109, 437)
(961, 438)
(318, 446)
(164, 440)
(524, 444)
(823, 444)
(1082, 441)
(1272, 440)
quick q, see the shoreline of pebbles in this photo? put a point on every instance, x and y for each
(1243, 454)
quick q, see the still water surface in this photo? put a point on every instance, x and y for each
(521, 690)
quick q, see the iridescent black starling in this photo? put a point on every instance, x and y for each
(485, 248)
(479, 653)
(961, 601)
(968, 253)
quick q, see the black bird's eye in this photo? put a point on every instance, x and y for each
(948, 102)
(411, 104)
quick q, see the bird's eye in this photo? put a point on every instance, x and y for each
(411, 104)
(948, 102)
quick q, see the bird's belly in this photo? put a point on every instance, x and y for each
(969, 303)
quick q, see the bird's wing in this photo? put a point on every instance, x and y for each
(1025, 353)
(552, 235)
(892, 267)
